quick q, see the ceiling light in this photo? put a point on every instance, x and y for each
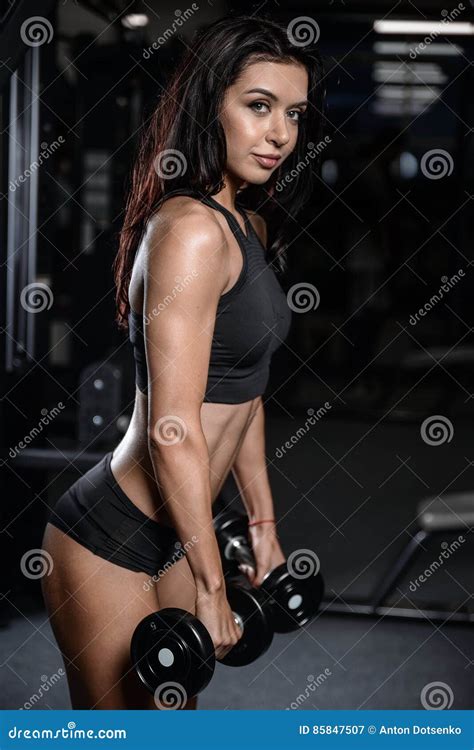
(423, 27)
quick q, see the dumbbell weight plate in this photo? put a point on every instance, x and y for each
(294, 601)
(172, 645)
(257, 635)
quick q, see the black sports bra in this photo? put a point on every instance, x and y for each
(252, 320)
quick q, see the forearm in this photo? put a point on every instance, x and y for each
(250, 470)
(182, 475)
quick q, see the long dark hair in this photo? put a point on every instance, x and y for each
(184, 144)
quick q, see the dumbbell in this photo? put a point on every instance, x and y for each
(172, 647)
(291, 600)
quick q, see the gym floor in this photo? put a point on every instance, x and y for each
(349, 491)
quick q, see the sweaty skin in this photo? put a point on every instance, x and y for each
(259, 122)
(224, 425)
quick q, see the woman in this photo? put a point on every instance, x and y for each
(205, 312)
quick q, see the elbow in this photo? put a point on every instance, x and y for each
(166, 431)
(171, 435)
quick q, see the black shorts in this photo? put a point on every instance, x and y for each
(97, 513)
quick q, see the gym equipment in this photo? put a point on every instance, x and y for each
(99, 403)
(173, 646)
(454, 512)
(291, 601)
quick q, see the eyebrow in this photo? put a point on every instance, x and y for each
(270, 95)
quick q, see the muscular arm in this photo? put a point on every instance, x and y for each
(178, 343)
(250, 469)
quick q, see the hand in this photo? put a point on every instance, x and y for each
(215, 613)
(267, 552)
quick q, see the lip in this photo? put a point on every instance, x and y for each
(266, 161)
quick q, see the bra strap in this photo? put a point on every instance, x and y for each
(231, 220)
(210, 201)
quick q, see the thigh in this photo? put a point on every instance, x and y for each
(94, 606)
(176, 587)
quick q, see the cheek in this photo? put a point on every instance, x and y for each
(243, 128)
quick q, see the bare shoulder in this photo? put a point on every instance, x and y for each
(259, 224)
(185, 226)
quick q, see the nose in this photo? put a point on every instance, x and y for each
(278, 132)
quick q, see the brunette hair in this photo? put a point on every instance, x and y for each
(183, 144)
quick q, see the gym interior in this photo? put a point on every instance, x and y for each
(369, 408)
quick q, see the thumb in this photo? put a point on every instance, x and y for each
(262, 570)
(248, 571)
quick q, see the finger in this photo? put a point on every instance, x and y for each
(248, 572)
(261, 573)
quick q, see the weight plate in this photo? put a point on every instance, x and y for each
(172, 645)
(294, 601)
(257, 635)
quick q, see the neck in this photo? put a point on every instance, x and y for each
(228, 194)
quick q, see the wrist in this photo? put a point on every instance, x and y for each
(268, 520)
(209, 587)
(268, 530)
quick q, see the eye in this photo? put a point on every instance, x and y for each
(300, 113)
(258, 104)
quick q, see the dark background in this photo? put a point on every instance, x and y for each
(386, 225)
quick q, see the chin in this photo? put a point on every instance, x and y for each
(258, 177)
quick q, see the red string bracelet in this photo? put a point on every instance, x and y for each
(266, 520)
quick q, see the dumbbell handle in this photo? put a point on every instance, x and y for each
(237, 550)
(238, 621)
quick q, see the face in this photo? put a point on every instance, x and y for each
(260, 116)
